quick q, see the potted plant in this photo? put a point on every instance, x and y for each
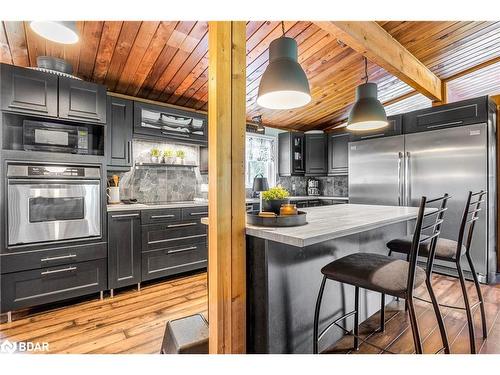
(155, 155)
(273, 198)
(168, 156)
(181, 154)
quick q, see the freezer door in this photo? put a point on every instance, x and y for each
(452, 161)
(376, 171)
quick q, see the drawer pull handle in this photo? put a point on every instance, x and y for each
(59, 258)
(177, 239)
(125, 215)
(67, 269)
(198, 213)
(161, 216)
(445, 124)
(181, 225)
(181, 250)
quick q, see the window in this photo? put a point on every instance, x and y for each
(260, 158)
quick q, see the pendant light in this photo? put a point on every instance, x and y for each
(56, 31)
(284, 84)
(367, 113)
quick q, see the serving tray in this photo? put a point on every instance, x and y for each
(278, 221)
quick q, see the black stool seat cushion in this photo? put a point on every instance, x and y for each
(377, 272)
(445, 249)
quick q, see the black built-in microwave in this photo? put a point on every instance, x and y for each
(52, 137)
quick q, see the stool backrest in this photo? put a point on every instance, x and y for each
(470, 216)
(427, 229)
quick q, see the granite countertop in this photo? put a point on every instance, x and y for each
(145, 206)
(330, 222)
(304, 198)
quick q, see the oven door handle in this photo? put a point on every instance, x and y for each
(42, 181)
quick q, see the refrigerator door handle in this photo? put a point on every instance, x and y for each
(407, 180)
(400, 180)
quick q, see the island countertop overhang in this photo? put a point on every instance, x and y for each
(330, 222)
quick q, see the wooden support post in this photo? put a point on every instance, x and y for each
(226, 139)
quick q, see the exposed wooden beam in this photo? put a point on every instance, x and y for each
(226, 138)
(372, 41)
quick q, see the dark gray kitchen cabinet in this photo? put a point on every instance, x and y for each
(124, 248)
(394, 127)
(28, 91)
(338, 152)
(119, 129)
(291, 154)
(81, 100)
(315, 151)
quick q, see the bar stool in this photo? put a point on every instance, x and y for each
(387, 275)
(452, 252)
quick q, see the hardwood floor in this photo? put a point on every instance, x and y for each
(397, 337)
(134, 322)
(130, 322)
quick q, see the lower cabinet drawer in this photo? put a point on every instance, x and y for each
(166, 262)
(37, 287)
(161, 236)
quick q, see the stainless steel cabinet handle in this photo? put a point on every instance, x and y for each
(445, 124)
(400, 157)
(177, 239)
(181, 225)
(198, 213)
(67, 269)
(59, 257)
(407, 180)
(125, 215)
(181, 250)
(176, 135)
(161, 216)
(372, 136)
(129, 150)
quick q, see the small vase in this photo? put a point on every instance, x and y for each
(180, 161)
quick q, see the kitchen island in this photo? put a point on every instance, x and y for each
(283, 273)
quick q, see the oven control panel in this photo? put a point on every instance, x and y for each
(56, 171)
(52, 171)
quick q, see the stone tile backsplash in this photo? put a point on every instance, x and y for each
(329, 186)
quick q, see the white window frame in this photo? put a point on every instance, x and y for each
(274, 167)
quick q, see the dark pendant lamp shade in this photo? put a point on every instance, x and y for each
(284, 84)
(260, 183)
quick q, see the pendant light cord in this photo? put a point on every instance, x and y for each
(283, 27)
(366, 70)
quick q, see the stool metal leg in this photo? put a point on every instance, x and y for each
(437, 312)
(479, 295)
(356, 318)
(414, 325)
(382, 312)
(470, 320)
(316, 315)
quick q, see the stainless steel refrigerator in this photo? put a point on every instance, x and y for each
(399, 170)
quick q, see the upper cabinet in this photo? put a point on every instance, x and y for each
(119, 129)
(28, 91)
(315, 151)
(82, 101)
(395, 127)
(338, 151)
(166, 122)
(291, 149)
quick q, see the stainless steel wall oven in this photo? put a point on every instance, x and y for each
(52, 203)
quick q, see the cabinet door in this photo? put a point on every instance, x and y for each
(80, 100)
(119, 129)
(28, 91)
(315, 150)
(124, 249)
(298, 154)
(338, 153)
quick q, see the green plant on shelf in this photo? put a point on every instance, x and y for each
(168, 153)
(155, 152)
(275, 193)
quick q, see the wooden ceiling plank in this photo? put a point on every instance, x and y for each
(35, 43)
(199, 82)
(16, 38)
(72, 51)
(5, 55)
(109, 37)
(186, 86)
(142, 41)
(372, 41)
(126, 40)
(91, 37)
(152, 54)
